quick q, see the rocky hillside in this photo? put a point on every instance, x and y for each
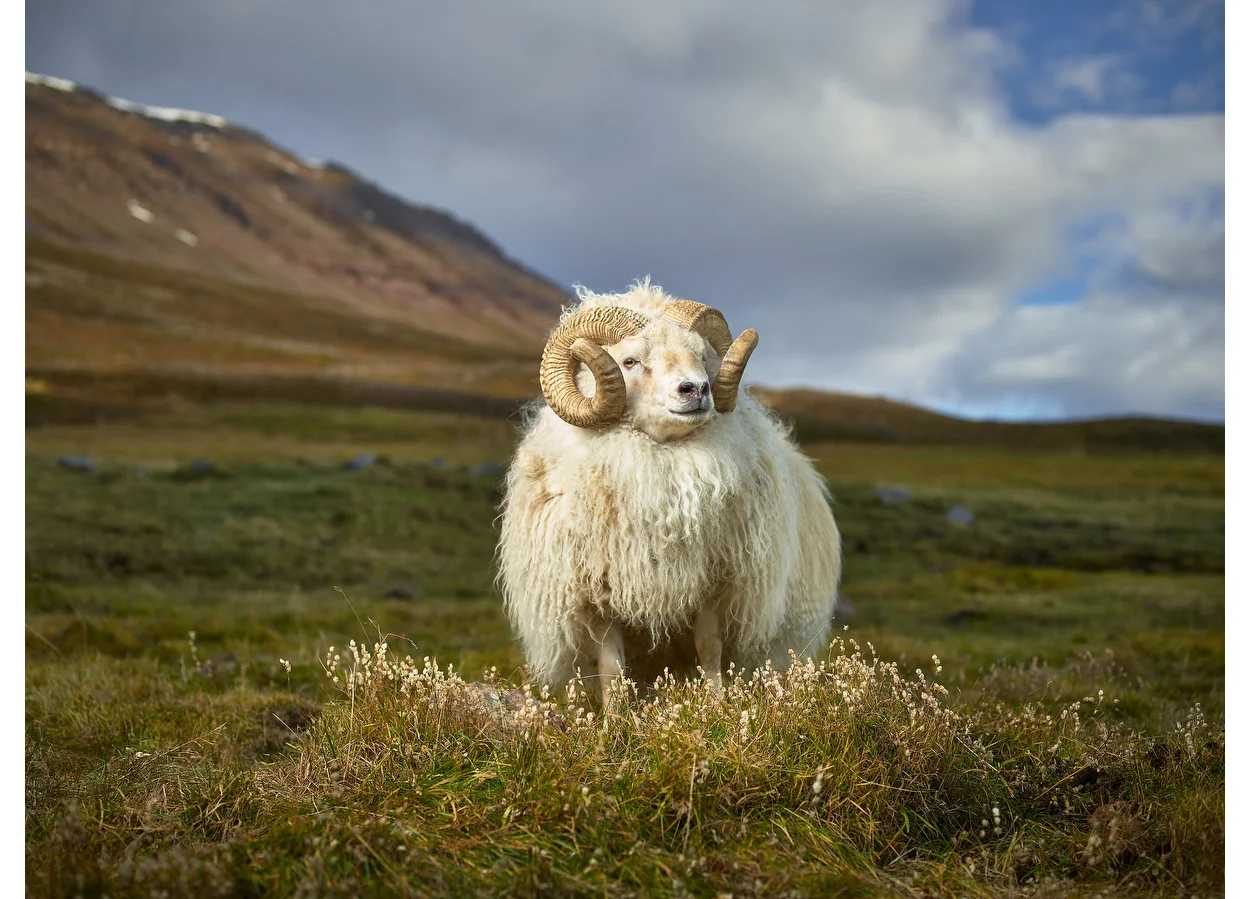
(168, 238)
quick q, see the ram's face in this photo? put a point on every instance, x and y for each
(668, 375)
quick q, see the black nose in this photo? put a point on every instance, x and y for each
(688, 387)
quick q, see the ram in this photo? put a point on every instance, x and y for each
(655, 516)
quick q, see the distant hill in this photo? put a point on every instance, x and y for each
(823, 417)
(172, 256)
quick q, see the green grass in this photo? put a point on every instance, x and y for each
(265, 434)
(158, 763)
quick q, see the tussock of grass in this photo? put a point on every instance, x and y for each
(846, 776)
(857, 767)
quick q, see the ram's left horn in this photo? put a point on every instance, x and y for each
(711, 325)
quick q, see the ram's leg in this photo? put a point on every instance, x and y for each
(608, 649)
(611, 654)
(708, 640)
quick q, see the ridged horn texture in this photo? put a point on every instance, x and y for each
(711, 325)
(734, 363)
(579, 339)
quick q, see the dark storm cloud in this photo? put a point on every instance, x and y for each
(842, 176)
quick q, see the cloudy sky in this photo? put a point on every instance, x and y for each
(998, 208)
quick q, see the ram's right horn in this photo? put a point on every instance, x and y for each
(580, 338)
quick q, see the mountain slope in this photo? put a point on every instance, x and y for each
(173, 257)
(159, 236)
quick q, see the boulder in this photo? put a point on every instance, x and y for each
(77, 463)
(364, 460)
(960, 516)
(893, 495)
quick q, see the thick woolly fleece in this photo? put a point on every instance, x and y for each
(613, 526)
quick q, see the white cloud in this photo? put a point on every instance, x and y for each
(1088, 78)
(1053, 363)
(846, 177)
(1160, 359)
(1147, 337)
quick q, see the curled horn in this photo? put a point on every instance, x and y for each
(711, 325)
(580, 338)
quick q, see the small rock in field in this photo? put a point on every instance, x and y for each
(77, 463)
(494, 468)
(960, 516)
(141, 472)
(893, 495)
(197, 470)
(364, 460)
(436, 462)
(402, 592)
(959, 616)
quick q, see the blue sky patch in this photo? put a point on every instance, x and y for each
(1129, 57)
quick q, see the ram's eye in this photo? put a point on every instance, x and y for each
(630, 362)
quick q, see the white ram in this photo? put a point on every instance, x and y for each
(654, 515)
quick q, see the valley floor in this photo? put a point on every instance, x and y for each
(1077, 689)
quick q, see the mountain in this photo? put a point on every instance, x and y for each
(172, 256)
(161, 238)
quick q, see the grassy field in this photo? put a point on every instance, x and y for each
(1078, 622)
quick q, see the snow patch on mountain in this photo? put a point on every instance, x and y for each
(168, 113)
(60, 84)
(164, 113)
